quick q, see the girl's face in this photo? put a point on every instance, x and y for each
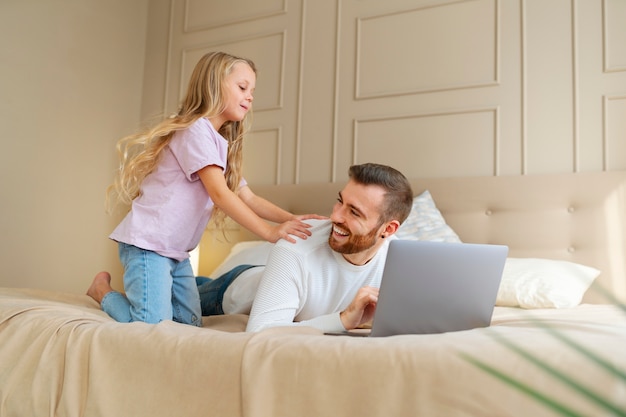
(238, 89)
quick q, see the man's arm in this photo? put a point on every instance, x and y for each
(281, 295)
(278, 297)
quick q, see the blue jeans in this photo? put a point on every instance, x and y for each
(212, 290)
(157, 288)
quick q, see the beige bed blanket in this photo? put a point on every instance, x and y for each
(61, 356)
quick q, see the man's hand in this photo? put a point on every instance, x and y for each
(361, 309)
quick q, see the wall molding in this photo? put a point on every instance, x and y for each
(335, 104)
(523, 89)
(606, 131)
(358, 95)
(278, 147)
(575, 90)
(301, 54)
(608, 68)
(187, 28)
(495, 111)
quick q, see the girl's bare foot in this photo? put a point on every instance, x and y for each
(100, 286)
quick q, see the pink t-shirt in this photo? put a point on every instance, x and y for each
(173, 209)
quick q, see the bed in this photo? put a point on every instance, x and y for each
(555, 345)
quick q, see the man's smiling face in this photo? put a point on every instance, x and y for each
(356, 219)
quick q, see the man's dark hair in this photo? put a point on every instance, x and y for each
(398, 192)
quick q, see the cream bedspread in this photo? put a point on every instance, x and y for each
(61, 356)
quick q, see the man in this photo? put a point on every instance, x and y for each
(330, 280)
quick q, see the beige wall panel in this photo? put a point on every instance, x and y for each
(549, 81)
(615, 35)
(615, 128)
(588, 86)
(427, 49)
(422, 145)
(318, 83)
(263, 147)
(508, 93)
(203, 14)
(269, 93)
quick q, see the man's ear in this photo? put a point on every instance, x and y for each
(392, 227)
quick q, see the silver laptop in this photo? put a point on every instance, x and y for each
(436, 287)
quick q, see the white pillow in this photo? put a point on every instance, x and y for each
(544, 283)
(425, 222)
(252, 253)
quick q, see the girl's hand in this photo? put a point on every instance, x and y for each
(295, 227)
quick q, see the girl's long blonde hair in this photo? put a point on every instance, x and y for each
(139, 153)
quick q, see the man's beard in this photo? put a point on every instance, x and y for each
(355, 243)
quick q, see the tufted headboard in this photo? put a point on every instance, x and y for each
(575, 217)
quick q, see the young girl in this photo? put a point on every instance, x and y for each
(177, 175)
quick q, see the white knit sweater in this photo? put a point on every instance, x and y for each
(309, 284)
